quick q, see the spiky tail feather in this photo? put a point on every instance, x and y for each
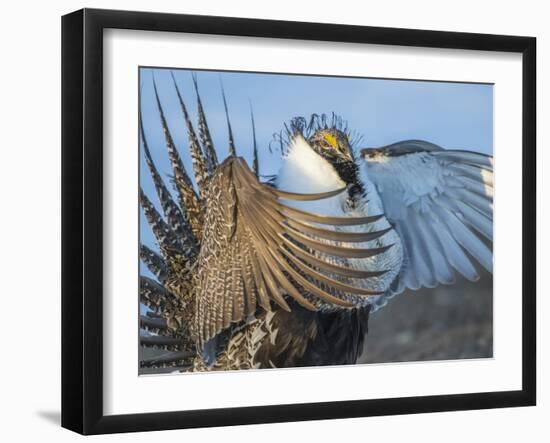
(187, 195)
(204, 133)
(199, 162)
(178, 234)
(232, 150)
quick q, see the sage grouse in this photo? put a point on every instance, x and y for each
(285, 272)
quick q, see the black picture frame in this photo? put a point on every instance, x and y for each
(82, 216)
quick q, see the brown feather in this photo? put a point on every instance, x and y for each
(330, 267)
(255, 249)
(336, 235)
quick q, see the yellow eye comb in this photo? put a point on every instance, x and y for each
(330, 139)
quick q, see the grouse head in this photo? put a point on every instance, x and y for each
(333, 144)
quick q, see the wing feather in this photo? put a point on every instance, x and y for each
(255, 252)
(466, 157)
(467, 239)
(440, 265)
(475, 219)
(454, 253)
(483, 205)
(409, 272)
(441, 204)
(473, 172)
(475, 186)
(422, 254)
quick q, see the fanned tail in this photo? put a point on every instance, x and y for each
(178, 236)
(177, 225)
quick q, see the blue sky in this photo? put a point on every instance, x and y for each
(452, 115)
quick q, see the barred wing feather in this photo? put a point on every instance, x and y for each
(256, 250)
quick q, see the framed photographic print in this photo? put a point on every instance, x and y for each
(270, 221)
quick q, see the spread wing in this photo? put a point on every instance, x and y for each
(441, 204)
(256, 250)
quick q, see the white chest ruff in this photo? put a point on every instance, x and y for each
(304, 171)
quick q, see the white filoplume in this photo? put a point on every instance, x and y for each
(439, 203)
